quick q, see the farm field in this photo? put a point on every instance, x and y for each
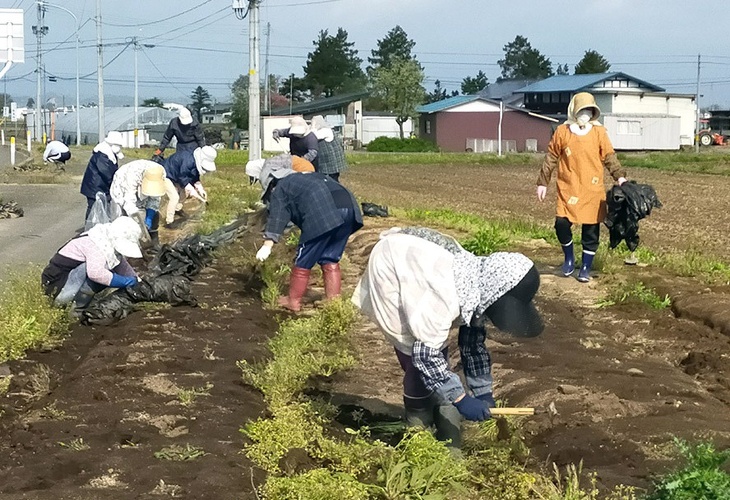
(625, 378)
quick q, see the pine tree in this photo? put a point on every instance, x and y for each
(522, 61)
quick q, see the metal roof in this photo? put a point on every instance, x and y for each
(577, 83)
(505, 88)
(325, 104)
(449, 102)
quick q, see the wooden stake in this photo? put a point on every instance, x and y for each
(512, 411)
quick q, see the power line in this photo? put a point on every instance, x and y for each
(185, 26)
(159, 20)
(144, 52)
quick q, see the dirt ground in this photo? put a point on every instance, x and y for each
(624, 379)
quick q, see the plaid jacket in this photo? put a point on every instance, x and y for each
(307, 200)
(331, 157)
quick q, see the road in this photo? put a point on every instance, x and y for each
(53, 213)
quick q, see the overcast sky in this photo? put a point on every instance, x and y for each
(653, 40)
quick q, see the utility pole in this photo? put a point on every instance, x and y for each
(697, 102)
(100, 72)
(136, 94)
(39, 31)
(254, 84)
(267, 89)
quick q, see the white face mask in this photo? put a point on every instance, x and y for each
(584, 116)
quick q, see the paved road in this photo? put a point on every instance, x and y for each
(53, 213)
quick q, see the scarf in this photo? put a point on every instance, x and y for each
(102, 238)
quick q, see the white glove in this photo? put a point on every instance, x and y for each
(621, 180)
(191, 192)
(201, 190)
(263, 253)
(541, 192)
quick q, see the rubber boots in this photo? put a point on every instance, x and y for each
(419, 412)
(569, 263)
(298, 282)
(448, 427)
(332, 280)
(584, 275)
(81, 301)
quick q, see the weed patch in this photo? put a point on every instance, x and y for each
(178, 453)
(188, 396)
(636, 292)
(232, 195)
(28, 319)
(75, 445)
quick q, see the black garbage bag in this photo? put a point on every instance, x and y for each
(10, 210)
(627, 205)
(118, 305)
(373, 210)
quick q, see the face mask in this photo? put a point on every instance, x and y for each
(584, 116)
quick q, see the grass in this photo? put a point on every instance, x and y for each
(367, 158)
(702, 476)
(274, 277)
(179, 453)
(635, 292)
(188, 396)
(75, 445)
(28, 319)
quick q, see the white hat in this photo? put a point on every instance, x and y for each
(114, 138)
(205, 159)
(298, 126)
(125, 235)
(253, 168)
(186, 118)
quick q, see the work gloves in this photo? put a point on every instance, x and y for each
(275, 134)
(488, 398)
(149, 216)
(119, 281)
(201, 191)
(541, 192)
(263, 253)
(473, 408)
(158, 152)
(190, 191)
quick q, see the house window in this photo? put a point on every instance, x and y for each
(628, 127)
(564, 97)
(428, 126)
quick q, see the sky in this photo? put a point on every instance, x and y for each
(200, 42)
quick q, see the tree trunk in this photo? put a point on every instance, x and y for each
(400, 127)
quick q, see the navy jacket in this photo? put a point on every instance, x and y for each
(307, 147)
(180, 168)
(98, 175)
(312, 202)
(188, 136)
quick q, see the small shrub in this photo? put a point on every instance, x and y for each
(28, 319)
(397, 145)
(701, 477)
(273, 278)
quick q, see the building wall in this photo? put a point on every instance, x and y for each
(632, 132)
(451, 130)
(683, 107)
(383, 126)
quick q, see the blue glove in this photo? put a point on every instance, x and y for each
(473, 409)
(119, 281)
(149, 215)
(488, 398)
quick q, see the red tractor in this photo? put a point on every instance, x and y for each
(714, 129)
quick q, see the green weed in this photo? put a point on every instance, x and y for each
(230, 195)
(274, 277)
(486, 241)
(177, 453)
(568, 486)
(75, 445)
(317, 484)
(5, 384)
(28, 319)
(375, 159)
(701, 477)
(188, 396)
(635, 292)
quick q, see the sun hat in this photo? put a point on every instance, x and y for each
(205, 159)
(253, 168)
(186, 118)
(271, 171)
(114, 138)
(298, 126)
(153, 181)
(514, 312)
(583, 100)
(125, 235)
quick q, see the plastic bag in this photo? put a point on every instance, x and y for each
(373, 210)
(102, 211)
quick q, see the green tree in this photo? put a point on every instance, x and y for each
(395, 45)
(562, 70)
(153, 103)
(400, 87)
(201, 99)
(474, 85)
(522, 61)
(333, 67)
(439, 93)
(294, 89)
(592, 62)
(239, 100)
(30, 103)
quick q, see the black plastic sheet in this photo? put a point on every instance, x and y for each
(627, 205)
(373, 210)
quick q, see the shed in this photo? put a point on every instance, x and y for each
(472, 122)
(617, 93)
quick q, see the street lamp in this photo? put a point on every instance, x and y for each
(78, 97)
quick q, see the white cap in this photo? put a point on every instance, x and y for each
(253, 168)
(298, 126)
(125, 234)
(205, 158)
(186, 118)
(114, 138)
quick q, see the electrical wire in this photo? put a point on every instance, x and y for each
(159, 20)
(144, 52)
(187, 26)
(93, 72)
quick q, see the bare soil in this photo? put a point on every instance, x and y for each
(624, 379)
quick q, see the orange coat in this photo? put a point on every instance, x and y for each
(580, 161)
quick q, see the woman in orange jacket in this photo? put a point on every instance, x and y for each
(580, 150)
